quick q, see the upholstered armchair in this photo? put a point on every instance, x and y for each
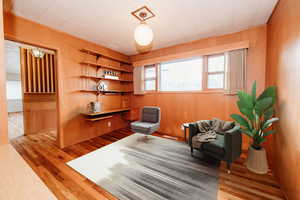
(226, 147)
(149, 122)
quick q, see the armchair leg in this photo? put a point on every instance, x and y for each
(228, 167)
(192, 151)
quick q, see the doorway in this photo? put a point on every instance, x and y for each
(31, 90)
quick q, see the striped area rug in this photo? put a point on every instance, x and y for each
(154, 169)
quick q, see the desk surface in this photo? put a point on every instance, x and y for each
(18, 181)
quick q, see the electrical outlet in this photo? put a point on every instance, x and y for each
(109, 124)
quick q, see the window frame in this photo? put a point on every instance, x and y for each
(207, 73)
(150, 79)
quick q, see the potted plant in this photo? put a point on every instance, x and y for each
(255, 121)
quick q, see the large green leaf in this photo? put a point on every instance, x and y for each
(247, 132)
(246, 111)
(253, 92)
(268, 133)
(263, 104)
(256, 113)
(261, 140)
(268, 113)
(269, 92)
(269, 123)
(245, 100)
(241, 121)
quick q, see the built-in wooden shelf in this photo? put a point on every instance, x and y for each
(94, 64)
(96, 53)
(98, 118)
(106, 112)
(102, 78)
(108, 91)
(119, 89)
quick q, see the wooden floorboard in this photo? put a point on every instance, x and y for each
(48, 161)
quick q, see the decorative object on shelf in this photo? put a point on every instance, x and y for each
(101, 86)
(256, 123)
(110, 74)
(38, 53)
(143, 33)
(94, 107)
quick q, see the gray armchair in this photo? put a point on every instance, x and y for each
(150, 121)
(227, 146)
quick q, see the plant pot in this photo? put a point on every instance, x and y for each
(257, 160)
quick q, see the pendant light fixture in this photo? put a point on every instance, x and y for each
(143, 34)
(38, 53)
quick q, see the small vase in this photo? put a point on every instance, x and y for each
(257, 160)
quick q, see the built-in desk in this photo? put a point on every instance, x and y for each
(104, 114)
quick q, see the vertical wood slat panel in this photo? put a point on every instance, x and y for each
(54, 73)
(43, 74)
(51, 74)
(38, 65)
(34, 73)
(38, 73)
(28, 66)
(47, 73)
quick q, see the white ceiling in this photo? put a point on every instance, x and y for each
(109, 22)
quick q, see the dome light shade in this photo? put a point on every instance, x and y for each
(143, 34)
(38, 53)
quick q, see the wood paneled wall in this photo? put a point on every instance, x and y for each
(178, 108)
(71, 102)
(40, 113)
(283, 70)
(3, 101)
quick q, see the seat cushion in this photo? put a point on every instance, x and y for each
(144, 127)
(150, 114)
(215, 147)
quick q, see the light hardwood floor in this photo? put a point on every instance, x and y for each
(48, 161)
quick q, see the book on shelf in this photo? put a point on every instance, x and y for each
(111, 77)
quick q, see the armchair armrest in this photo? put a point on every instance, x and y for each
(233, 144)
(193, 130)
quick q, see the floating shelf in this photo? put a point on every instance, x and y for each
(96, 53)
(106, 112)
(98, 118)
(105, 66)
(109, 91)
(101, 78)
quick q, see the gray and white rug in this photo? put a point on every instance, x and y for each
(156, 169)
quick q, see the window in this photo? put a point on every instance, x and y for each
(150, 77)
(216, 71)
(13, 90)
(203, 73)
(181, 75)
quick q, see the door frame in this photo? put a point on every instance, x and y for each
(57, 82)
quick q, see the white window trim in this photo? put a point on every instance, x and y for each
(149, 79)
(206, 73)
